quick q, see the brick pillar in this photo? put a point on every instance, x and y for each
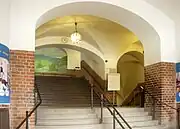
(160, 81)
(22, 86)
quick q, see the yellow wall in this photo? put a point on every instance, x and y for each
(131, 68)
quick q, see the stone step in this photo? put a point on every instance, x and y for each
(123, 109)
(125, 112)
(64, 110)
(79, 105)
(63, 122)
(138, 126)
(75, 102)
(129, 119)
(90, 126)
(66, 116)
(95, 126)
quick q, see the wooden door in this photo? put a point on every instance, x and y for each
(4, 119)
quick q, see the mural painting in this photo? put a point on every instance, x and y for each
(50, 60)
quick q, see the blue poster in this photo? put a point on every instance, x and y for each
(4, 75)
(178, 82)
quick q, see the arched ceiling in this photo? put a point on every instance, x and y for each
(108, 37)
(132, 56)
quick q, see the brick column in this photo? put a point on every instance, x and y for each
(160, 81)
(22, 86)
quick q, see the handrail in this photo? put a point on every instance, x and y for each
(158, 99)
(98, 83)
(33, 110)
(109, 103)
(117, 112)
(129, 99)
(107, 106)
(162, 103)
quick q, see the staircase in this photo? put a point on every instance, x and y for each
(66, 105)
(65, 92)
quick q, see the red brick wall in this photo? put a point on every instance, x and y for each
(160, 81)
(22, 86)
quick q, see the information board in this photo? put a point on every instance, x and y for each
(4, 75)
(113, 81)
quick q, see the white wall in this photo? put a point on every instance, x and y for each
(172, 9)
(96, 63)
(73, 59)
(25, 13)
(4, 21)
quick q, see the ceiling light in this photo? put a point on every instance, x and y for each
(76, 36)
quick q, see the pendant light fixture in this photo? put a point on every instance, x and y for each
(76, 36)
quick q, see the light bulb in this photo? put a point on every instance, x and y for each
(76, 37)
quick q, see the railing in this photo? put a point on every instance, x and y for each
(135, 98)
(28, 114)
(155, 100)
(105, 102)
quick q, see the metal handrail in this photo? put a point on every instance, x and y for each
(98, 83)
(162, 103)
(117, 112)
(109, 103)
(33, 110)
(157, 99)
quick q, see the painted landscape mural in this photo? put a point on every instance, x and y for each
(51, 60)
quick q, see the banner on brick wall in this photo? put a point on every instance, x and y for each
(178, 82)
(4, 75)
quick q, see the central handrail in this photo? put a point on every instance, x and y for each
(33, 110)
(117, 112)
(109, 103)
(111, 112)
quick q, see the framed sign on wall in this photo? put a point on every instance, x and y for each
(113, 81)
(4, 75)
(178, 82)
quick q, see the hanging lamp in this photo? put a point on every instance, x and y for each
(76, 36)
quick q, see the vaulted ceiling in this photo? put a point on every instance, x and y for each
(108, 37)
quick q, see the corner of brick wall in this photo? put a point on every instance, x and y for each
(160, 82)
(22, 86)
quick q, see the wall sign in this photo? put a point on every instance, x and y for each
(4, 75)
(178, 82)
(113, 81)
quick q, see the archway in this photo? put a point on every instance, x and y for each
(131, 68)
(138, 26)
(66, 42)
(94, 60)
(150, 32)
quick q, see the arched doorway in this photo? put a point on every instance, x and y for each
(159, 31)
(131, 68)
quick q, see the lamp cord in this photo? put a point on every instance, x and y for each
(75, 26)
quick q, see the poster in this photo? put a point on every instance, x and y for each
(4, 75)
(113, 81)
(178, 82)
